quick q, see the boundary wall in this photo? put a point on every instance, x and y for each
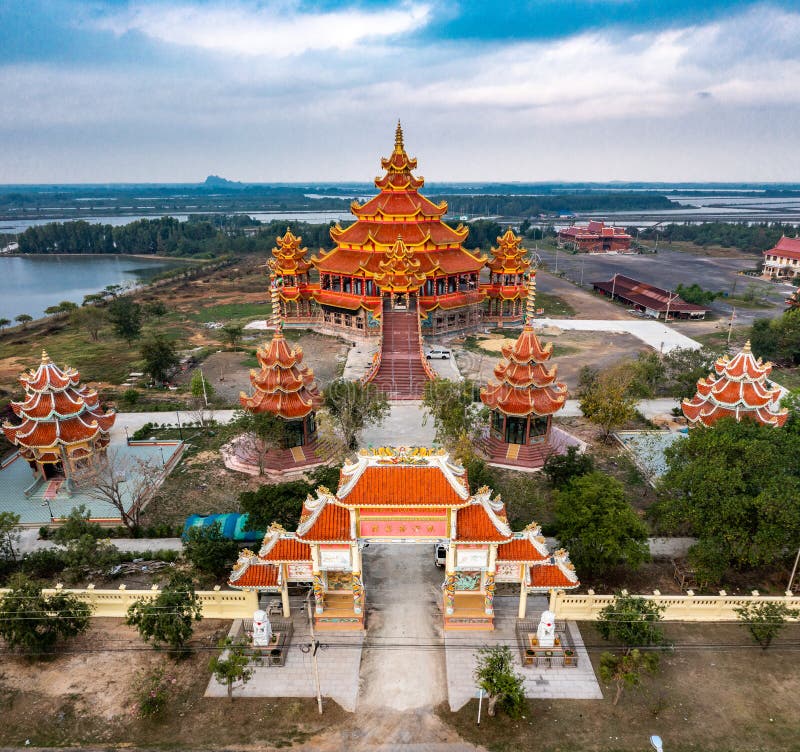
(689, 607)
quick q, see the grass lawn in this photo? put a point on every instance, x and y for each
(716, 691)
(228, 312)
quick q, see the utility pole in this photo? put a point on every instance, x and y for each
(203, 382)
(794, 571)
(314, 647)
(583, 263)
(730, 325)
(555, 271)
(669, 300)
(613, 286)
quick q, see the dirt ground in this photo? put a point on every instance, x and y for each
(229, 372)
(716, 691)
(586, 304)
(572, 350)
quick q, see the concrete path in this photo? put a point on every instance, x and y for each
(402, 666)
(446, 368)
(653, 333)
(29, 541)
(134, 421)
(648, 408)
(359, 359)
(572, 683)
(403, 427)
(338, 658)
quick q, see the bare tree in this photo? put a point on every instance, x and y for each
(126, 483)
(261, 433)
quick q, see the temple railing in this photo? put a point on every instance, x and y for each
(429, 372)
(376, 358)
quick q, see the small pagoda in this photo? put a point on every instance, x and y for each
(506, 289)
(399, 274)
(283, 387)
(63, 429)
(290, 268)
(740, 389)
(524, 399)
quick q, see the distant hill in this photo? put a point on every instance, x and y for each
(215, 181)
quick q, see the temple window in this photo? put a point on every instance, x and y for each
(358, 286)
(348, 320)
(497, 422)
(452, 284)
(440, 285)
(428, 287)
(538, 429)
(347, 284)
(325, 281)
(370, 288)
(337, 284)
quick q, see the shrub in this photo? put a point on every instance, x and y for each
(144, 432)
(632, 621)
(44, 564)
(232, 668)
(765, 621)
(153, 691)
(77, 525)
(495, 674)
(208, 550)
(560, 469)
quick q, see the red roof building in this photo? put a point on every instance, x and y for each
(648, 299)
(401, 496)
(506, 290)
(367, 263)
(63, 427)
(595, 237)
(783, 260)
(524, 398)
(738, 389)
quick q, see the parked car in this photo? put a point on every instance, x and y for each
(439, 554)
(438, 353)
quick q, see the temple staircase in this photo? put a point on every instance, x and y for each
(515, 455)
(403, 371)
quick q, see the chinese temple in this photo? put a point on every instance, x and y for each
(283, 386)
(595, 237)
(738, 389)
(63, 428)
(524, 398)
(291, 271)
(782, 261)
(408, 495)
(506, 289)
(398, 248)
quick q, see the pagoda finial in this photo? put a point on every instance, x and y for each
(45, 357)
(530, 303)
(398, 138)
(746, 348)
(275, 297)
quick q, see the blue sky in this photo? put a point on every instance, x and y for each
(281, 90)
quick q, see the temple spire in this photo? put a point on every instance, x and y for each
(277, 314)
(399, 147)
(530, 303)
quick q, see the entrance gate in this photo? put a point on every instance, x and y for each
(404, 495)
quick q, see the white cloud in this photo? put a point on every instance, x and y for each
(272, 30)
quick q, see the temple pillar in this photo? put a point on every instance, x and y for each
(316, 581)
(450, 581)
(358, 585)
(489, 582)
(285, 591)
(523, 596)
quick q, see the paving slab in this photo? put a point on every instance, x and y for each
(573, 682)
(339, 659)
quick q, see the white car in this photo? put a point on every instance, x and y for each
(438, 353)
(439, 554)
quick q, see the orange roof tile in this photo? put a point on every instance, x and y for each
(550, 576)
(519, 549)
(402, 485)
(332, 524)
(288, 549)
(256, 575)
(473, 524)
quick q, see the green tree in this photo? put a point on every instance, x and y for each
(169, 617)
(53, 310)
(263, 432)
(765, 621)
(735, 487)
(160, 357)
(9, 535)
(126, 318)
(233, 667)
(4, 323)
(352, 406)
(560, 469)
(209, 550)
(607, 402)
(77, 524)
(647, 375)
(23, 319)
(233, 334)
(90, 318)
(695, 294)
(495, 675)
(597, 524)
(67, 306)
(683, 366)
(631, 621)
(34, 623)
(456, 417)
(626, 669)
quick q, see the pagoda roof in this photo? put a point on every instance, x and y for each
(56, 411)
(365, 234)
(287, 256)
(483, 520)
(739, 389)
(508, 257)
(413, 477)
(525, 385)
(250, 573)
(283, 386)
(324, 520)
(400, 270)
(785, 248)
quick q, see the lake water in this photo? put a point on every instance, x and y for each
(32, 283)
